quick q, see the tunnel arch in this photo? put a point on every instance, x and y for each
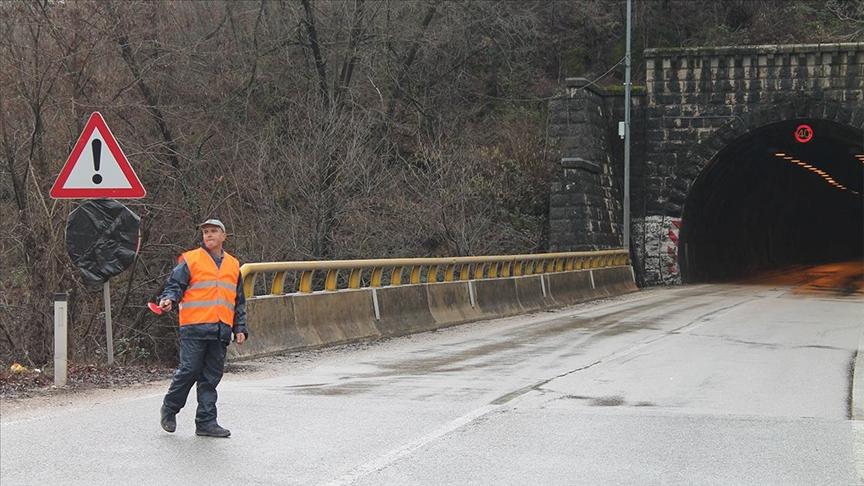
(749, 208)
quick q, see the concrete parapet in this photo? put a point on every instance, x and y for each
(497, 297)
(299, 321)
(452, 303)
(403, 310)
(568, 288)
(532, 293)
(337, 317)
(274, 328)
(614, 281)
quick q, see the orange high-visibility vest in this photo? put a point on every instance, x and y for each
(212, 291)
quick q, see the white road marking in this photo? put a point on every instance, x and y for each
(391, 457)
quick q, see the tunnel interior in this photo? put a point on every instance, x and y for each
(770, 199)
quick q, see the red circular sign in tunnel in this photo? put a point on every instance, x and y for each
(804, 133)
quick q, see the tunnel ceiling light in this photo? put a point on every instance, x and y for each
(821, 173)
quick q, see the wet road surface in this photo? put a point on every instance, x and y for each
(747, 383)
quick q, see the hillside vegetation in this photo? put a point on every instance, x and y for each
(314, 129)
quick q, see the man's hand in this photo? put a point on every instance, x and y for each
(240, 338)
(165, 305)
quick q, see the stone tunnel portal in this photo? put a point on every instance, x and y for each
(769, 200)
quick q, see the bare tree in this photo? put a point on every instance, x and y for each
(315, 129)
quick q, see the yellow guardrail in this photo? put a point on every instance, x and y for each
(450, 268)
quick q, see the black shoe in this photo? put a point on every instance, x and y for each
(168, 419)
(211, 430)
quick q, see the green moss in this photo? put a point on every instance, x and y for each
(573, 61)
(618, 89)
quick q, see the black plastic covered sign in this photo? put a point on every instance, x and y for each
(102, 238)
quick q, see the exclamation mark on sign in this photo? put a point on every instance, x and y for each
(96, 145)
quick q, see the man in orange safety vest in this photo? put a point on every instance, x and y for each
(207, 285)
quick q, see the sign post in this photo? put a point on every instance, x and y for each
(60, 333)
(109, 330)
(102, 237)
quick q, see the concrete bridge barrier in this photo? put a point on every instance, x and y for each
(310, 319)
(614, 281)
(452, 303)
(572, 287)
(335, 318)
(497, 297)
(403, 310)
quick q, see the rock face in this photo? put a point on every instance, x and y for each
(696, 102)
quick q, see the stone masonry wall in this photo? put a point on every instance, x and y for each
(586, 199)
(697, 101)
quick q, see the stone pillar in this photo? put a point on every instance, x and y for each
(585, 207)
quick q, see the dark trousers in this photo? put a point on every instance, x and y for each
(201, 361)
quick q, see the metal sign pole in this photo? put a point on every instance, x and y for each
(627, 136)
(109, 334)
(60, 329)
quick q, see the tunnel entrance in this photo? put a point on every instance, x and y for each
(770, 200)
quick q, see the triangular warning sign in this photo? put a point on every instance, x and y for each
(97, 168)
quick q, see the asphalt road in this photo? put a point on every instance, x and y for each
(748, 383)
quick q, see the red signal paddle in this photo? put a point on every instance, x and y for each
(154, 307)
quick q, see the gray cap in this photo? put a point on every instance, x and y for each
(212, 222)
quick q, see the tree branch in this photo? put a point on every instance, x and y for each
(152, 103)
(351, 55)
(314, 43)
(398, 90)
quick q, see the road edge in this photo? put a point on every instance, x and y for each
(856, 407)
